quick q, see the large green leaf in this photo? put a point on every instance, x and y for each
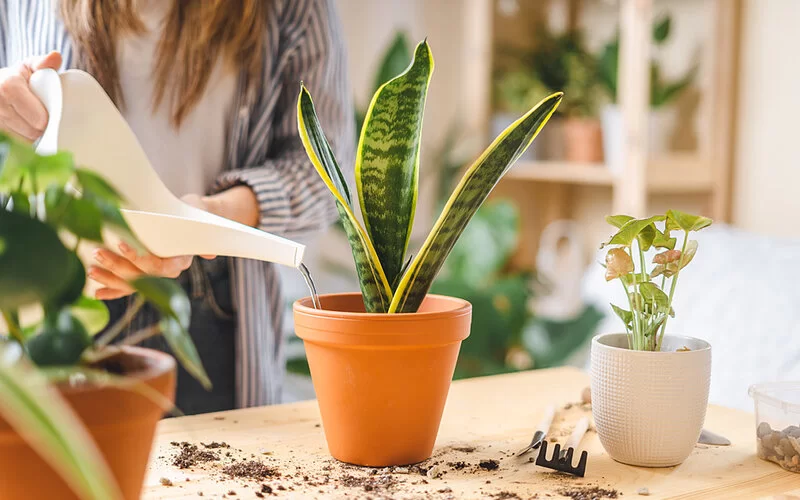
(387, 161)
(688, 222)
(173, 304)
(374, 286)
(23, 170)
(631, 229)
(35, 266)
(79, 216)
(469, 195)
(92, 313)
(39, 414)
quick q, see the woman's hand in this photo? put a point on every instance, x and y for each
(115, 271)
(21, 112)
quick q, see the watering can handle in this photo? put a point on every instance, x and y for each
(80, 112)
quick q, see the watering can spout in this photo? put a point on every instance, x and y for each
(84, 121)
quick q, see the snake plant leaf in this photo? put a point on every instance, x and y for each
(387, 161)
(45, 421)
(374, 286)
(471, 192)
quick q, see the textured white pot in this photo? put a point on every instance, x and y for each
(649, 407)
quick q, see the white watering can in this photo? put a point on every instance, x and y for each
(84, 121)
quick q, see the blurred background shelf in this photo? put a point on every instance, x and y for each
(671, 174)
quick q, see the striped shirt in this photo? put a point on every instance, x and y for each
(263, 151)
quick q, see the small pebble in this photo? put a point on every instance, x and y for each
(643, 491)
(165, 481)
(401, 470)
(435, 471)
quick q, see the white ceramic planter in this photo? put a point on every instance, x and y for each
(661, 124)
(649, 407)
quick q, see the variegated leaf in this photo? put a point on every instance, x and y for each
(387, 161)
(471, 192)
(375, 287)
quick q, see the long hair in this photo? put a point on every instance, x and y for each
(195, 34)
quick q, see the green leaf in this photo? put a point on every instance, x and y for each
(92, 313)
(625, 315)
(60, 342)
(653, 295)
(663, 240)
(471, 192)
(395, 60)
(687, 222)
(22, 203)
(95, 186)
(387, 161)
(375, 288)
(173, 304)
(631, 230)
(78, 376)
(79, 216)
(25, 171)
(618, 220)
(45, 421)
(35, 266)
(661, 30)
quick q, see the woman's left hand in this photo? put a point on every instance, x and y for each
(115, 271)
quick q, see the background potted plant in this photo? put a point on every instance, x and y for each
(649, 390)
(382, 360)
(663, 93)
(558, 61)
(77, 415)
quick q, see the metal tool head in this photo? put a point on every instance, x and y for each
(538, 437)
(562, 464)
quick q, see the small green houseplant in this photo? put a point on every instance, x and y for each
(47, 207)
(649, 390)
(382, 360)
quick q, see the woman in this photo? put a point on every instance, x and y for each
(209, 87)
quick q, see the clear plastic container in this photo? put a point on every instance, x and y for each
(777, 408)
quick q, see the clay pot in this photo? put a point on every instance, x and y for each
(583, 140)
(121, 422)
(381, 379)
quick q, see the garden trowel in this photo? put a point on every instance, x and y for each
(85, 122)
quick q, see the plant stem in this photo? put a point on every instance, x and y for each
(126, 318)
(672, 290)
(13, 327)
(141, 335)
(630, 304)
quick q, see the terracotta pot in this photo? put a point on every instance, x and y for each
(121, 422)
(381, 379)
(583, 140)
(649, 407)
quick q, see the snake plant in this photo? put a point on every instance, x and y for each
(387, 175)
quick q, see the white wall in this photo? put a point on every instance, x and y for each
(767, 173)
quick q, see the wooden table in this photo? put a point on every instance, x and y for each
(494, 415)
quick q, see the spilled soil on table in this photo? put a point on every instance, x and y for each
(461, 470)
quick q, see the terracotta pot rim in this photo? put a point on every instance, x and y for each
(303, 306)
(600, 340)
(154, 364)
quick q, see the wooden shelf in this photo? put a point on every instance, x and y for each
(679, 173)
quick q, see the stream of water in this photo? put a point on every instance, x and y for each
(310, 284)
